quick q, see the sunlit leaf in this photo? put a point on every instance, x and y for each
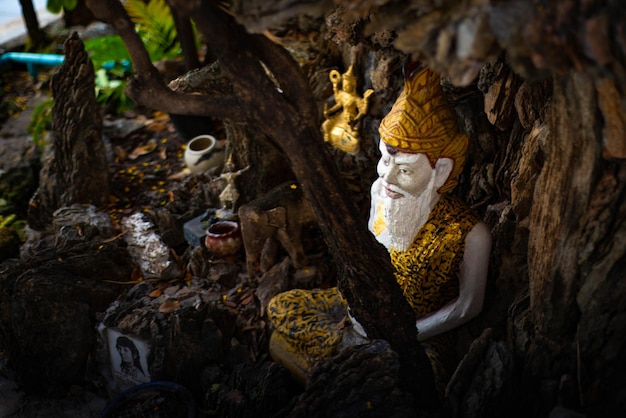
(143, 149)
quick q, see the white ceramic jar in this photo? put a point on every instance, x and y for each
(203, 153)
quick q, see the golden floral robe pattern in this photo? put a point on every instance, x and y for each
(311, 320)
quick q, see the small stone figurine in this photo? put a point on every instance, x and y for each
(340, 129)
(230, 194)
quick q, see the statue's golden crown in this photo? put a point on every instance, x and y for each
(349, 74)
(422, 121)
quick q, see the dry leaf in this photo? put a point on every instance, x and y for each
(120, 153)
(168, 306)
(143, 149)
(230, 304)
(161, 116)
(157, 127)
(155, 293)
(180, 175)
(247, 299)
(136, 274)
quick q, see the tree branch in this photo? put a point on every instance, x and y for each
(281, 64)
(148, 87)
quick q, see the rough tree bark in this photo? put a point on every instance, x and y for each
(78, 171)
(578, 200)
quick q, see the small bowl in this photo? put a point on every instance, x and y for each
(203, 153)
(223, 238)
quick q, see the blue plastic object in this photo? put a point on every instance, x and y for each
(32, 60)
(126, 65)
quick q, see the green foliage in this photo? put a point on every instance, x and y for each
(5, 221)
(110, 92)
(12, 221)
(55, 6)
(40, 122)
(111, 63)
(106, 51)
(155, 25)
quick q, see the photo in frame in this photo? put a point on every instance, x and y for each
(129, 357)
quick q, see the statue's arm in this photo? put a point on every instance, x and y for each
(472, 281)
(363, 104)
(333, 109)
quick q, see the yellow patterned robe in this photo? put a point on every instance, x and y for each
(311, 321)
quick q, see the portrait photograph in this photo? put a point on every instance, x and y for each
(128, 356)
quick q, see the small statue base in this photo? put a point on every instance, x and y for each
(226, 214)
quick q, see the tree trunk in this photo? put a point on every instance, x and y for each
(576, 252)
(35, 33)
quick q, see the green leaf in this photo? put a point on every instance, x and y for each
(54, 6)
(102, 80)
(155, 25)
(70, 4)
(106, 49)
(40, 122)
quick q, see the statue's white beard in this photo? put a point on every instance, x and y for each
(405, 216)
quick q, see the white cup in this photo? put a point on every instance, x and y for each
(203, 153)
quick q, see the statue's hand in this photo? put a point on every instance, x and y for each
(326, 112)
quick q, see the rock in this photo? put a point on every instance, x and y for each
(264, 388)
(273, 282)
(169, 228)
(361, 381)
(72, 225)
(49, 307)
(480, 378)
(120, 128)
(148, 249)
(203, 327)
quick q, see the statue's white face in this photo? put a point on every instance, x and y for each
(403, 195)
(403, 173)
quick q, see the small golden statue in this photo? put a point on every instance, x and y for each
(340, 129)
(230, 194)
